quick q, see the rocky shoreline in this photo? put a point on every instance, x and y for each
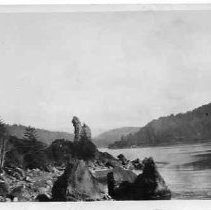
(77, 171)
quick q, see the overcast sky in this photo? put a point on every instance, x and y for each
(110, 69)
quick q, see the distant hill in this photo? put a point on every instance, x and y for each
(44, 136)
(190, 127)
(108, 137)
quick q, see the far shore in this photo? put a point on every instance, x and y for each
(160, 145)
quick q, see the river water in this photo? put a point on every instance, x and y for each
(185, 168)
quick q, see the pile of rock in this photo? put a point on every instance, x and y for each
(149, 185)
(28, 186)
(131, 165)
(137, 164)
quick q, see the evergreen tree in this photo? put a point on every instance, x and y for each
(35, 156)
(30, 134)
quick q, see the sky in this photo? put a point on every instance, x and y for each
(111, 69)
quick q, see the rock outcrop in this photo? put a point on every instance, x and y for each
(82, 133)
(147, 186)
(85, 133)
(77, 183)
(122, 175)
(77, 126)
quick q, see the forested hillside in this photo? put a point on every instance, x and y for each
(44, 136)
(108, 137)
(189, 127)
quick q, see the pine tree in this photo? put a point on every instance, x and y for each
(34, 157)
(30, 134)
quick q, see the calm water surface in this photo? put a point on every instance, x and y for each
(186, 168)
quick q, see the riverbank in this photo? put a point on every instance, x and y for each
(182, 143)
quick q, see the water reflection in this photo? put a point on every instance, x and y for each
(202, 162)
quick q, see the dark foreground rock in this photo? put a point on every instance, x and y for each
(77, 183)
(43, 198)
(149, 185)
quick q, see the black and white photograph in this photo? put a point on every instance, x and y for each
(105, 103)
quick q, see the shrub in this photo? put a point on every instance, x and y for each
(85, 150)
(60, 151)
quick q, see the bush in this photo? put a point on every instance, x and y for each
(26, 154)
(35, 160)
(60, 151)
(84, 150)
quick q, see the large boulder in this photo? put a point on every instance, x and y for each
(150, 185)
(77, 183)
(147, 186)
(120, 175)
